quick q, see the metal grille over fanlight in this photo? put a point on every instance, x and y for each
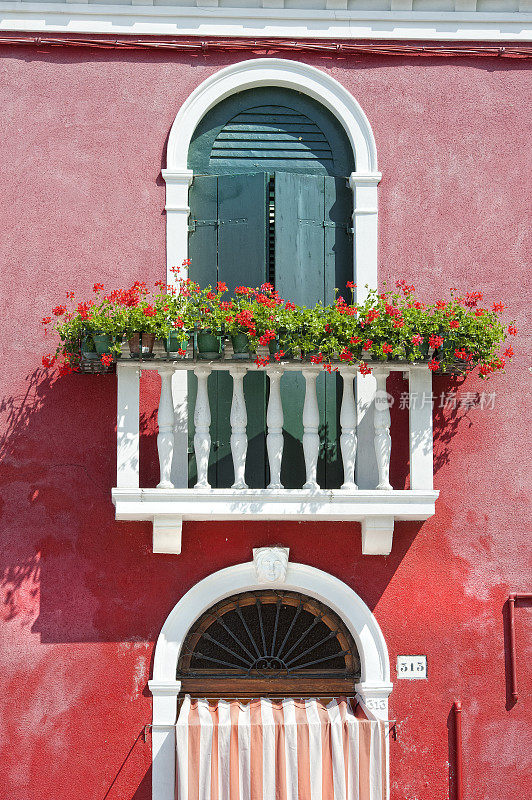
(269, 634)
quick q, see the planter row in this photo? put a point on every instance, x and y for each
(208, 346)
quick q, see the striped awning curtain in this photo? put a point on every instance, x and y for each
(279, 750)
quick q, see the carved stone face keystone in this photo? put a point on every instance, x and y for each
(271, 564)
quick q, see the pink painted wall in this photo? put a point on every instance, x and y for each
(83, 142)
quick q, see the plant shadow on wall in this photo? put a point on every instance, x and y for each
(66, 565)
(452, 414)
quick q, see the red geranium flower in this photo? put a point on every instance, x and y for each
(435, 342)
(221, 286)
(97, 287)
(387, 348)
(106, 359)
(433, 365)
(509, 352)
(364, 369)
(512, 330)
(454, 323)
(417, 339)
(367, 346)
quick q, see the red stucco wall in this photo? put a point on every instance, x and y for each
(83, 142)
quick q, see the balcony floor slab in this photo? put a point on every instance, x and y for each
(376, 510)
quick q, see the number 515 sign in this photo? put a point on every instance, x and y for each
(412, 667)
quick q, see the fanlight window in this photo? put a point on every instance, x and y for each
(271, 643)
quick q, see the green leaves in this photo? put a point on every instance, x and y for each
(455, 334)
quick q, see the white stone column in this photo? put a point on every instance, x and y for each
(421, 435)
(311, 422)
(348, 421)
(274, 420)
(127, 426)
(165, 437)
(239, 439)
(202, 422)
(177, 213)
(383, 440)
(365, 215)
(165, 694)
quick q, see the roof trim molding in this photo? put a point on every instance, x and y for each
(135, 20)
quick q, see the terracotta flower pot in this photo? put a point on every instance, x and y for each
(141, 345)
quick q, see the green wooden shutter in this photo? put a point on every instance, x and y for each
(312, 256)
(228, 242)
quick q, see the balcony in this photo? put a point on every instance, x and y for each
(171, 502)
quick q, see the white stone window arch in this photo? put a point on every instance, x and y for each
(363, 182)
(372, 691)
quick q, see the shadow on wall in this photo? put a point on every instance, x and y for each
(451, 409)
(73, 574)
(143, 791)
(68, 570)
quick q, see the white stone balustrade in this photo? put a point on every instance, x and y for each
(376, 508)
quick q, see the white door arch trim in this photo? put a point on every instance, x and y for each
(372, 691)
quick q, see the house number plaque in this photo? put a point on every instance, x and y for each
(412, 667)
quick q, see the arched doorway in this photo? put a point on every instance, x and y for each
(363, 640)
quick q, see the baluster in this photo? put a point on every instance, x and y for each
(311, 421)
(165, 437)
(202, 421)
(239, 419)
(275, 419)
(348, 421)
(381, 421)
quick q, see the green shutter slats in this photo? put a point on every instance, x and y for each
(268, 135)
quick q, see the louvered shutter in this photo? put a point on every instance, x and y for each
(266, 136)
(228, 242)
(312, 255)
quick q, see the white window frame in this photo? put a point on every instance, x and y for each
(372, 691)
(363, 182)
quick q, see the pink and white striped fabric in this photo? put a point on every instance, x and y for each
(279, 750)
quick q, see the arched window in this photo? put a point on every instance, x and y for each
(270, 201)
(269, 643)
